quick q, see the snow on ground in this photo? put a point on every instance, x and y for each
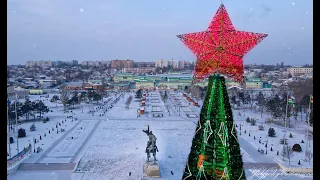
(274, 141)
(119, 148)
(55, 117)
(118, 144)
(41, 130)
(66, 150)
(47, 175)
(246, 157)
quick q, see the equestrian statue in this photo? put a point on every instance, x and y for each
(151, 145)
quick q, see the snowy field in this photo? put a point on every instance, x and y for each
(111, 146)
(274, 142)
(42, 129)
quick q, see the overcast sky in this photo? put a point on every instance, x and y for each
(145, 30)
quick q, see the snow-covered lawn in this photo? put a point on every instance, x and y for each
(68, 148)
(274, 142)
(117, 146)
(152, 100)
(156, 109)
(42, 129)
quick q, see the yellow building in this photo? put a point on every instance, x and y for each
(299, 70)
(37, 91)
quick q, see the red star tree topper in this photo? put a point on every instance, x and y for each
(221, 48)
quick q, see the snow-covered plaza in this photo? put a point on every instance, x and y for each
(109, 144)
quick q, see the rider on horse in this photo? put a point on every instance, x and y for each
(151, 144)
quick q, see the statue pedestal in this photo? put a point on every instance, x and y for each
(151, 169)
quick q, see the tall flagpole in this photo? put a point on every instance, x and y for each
(17, 124)
(8, 133)
(285, 123)
(307, 144)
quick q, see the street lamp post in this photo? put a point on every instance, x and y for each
(72, 115)
(17, 124)
(307, 144)
(34, 145)
(285, 124)
(8, 133)
(267, 147)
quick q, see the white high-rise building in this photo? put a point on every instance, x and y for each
(177, 64)
(162, 63)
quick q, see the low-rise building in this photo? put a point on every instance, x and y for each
(74, 85)
(123, 77)
(122, 85)
(254, 83)
(37, 91)
(295, 71)
(144, 82)
(47, 82)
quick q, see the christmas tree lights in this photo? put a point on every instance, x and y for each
(215, 151)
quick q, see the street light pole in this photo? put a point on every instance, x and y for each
(34, 145)
(307, 144)
(17, 124)
(267, 147)
(8, 133)
(285, 124)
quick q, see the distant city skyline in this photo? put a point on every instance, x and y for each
(146, 30)
(279, 63)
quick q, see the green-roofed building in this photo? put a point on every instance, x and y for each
(144, 82)
(123, 85)
(118, 77)
(254, 83)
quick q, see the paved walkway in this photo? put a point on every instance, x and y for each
(46, 166)
(56, 143)
(254, 165)
(85, 141)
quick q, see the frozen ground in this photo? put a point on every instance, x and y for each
(118, 144)
(297, 137)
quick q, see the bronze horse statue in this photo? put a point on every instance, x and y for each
(151, 145)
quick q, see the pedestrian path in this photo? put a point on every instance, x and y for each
(46, 166)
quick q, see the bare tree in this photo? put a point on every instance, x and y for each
(309, 155)
(128, 101)
(64, 96)
(196, 91)
(251, 100)
(261, 102)
(301, 88)
(301, 91)
(287, 152)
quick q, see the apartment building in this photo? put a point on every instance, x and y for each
(299, 70)
(162, 63)
(120, 64)
(41, 63)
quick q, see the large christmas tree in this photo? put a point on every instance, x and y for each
(215, 151)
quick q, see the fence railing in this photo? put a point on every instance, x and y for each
(19, 156)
